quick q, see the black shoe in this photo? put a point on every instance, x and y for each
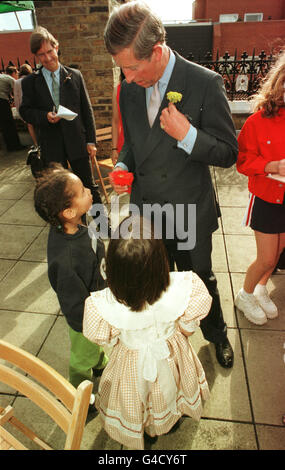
(149, 439)
(92, 410)
(175, 427)
(109, 230)
(19, 147)
(22, 147)
(224, 354)
(98, 372)
(92, 413)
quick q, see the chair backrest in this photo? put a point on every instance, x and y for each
(44, 386)
(104, 134)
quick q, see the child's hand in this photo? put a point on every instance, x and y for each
(281, 167)
(121, 180)
(119, 189)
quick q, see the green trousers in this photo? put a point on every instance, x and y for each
(84, 356)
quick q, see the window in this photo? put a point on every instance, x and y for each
(253, 17)
(228, 18)
(17, 21)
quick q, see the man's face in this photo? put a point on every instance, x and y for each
(144, 73)
(48, 56)
(15, 75)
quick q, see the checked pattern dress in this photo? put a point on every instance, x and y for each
(153, 376)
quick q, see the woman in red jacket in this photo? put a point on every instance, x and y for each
(262, 158)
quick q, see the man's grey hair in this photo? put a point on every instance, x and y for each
(134, 25)
(39, 36)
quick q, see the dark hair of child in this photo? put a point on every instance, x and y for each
(137, 270)
(53, 194)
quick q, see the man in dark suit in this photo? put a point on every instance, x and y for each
(60, 140)
(170, 156)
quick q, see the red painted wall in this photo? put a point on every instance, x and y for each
(211, 9)
(14, 45)
(265, 35)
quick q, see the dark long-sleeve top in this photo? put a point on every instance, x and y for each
(74, 271)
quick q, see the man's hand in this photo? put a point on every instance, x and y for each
(52, 117)
(92, 150)
(174, 123)
(118, 188)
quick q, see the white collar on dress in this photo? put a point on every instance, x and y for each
(171, 305)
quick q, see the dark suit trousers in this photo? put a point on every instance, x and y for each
(8, 126)
(80, 167)
(213, 327)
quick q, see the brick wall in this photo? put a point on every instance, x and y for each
(79, 26)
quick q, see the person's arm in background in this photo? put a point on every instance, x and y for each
(17, 94)
(126, 159)
(115, 127)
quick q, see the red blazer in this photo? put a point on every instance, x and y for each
(262, 140)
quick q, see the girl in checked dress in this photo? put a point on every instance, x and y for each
(147, 313)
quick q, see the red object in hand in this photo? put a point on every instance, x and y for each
(122, 178)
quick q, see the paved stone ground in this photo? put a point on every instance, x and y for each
(247, 402)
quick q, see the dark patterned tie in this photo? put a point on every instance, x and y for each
(55, 90)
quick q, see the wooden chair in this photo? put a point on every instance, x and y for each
(103, 134)
(46, 388)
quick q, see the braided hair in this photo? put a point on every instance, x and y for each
(53, 194)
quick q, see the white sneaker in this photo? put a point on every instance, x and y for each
(269, 307)
(250, 307)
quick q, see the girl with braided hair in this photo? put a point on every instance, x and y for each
(74, 261)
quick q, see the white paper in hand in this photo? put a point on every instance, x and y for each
(65, 113)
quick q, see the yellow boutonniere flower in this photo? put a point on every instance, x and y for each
(68, 77)
(174, 96)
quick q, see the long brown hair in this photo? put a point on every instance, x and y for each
(270, 97)
(137, 268)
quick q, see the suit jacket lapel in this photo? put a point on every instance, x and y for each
(65, 76)
(155, 134)
(43, 90)
(138, 115)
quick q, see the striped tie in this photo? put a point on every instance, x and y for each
(55, 90)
